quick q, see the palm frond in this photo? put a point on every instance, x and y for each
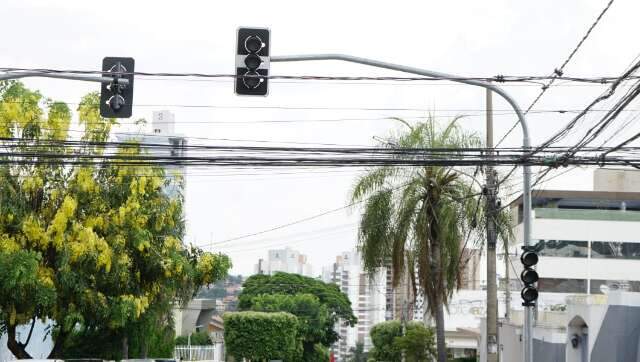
(375, 226)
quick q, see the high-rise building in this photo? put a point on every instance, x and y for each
(284, 260)
(368, 301)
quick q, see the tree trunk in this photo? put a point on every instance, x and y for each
(145, 348)
(439, 292)
(125, 347)
(58, 344)
(440, 339)
(16, 348)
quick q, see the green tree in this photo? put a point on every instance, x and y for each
(357, 353)
(382, 337)
(197, 339)
(313, 319)
(417, 343)
(90, 237)
(259, 336)
(329, 295)
(416, 217)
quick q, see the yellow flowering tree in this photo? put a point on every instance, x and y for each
(94, 246)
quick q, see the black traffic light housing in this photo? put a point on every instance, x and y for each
(529, 276)
(252, 61)
(116, 100)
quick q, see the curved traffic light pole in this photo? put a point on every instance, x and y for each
(68, 76)
(526, 143)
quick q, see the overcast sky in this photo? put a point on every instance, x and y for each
(470, 38)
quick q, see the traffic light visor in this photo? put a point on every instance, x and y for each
(529, 276)
(529, 294)
(253, 44)
(529, 258)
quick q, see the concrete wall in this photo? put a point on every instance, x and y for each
(197, 312)
(616, 180)
(510, 344)
(604, 230)
(548, 352)
(618, 339)
(548, 344)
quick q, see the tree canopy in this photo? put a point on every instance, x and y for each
(418, 342)
(95, 246)
(417, 220)
(329, 295)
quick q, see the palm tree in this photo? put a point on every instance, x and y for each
(416, 217)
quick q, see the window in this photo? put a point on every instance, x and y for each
(599, 286)
(363, 284)
(554, 285)
(615, 250)
(563, 248)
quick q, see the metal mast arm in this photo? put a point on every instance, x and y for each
(526, 143)
(69, 76)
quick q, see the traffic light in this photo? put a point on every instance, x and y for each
(116, 100)
(252, 61)
(529, 277)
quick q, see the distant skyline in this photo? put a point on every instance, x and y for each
(468, 38)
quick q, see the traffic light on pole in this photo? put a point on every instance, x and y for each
(252, 61)
(116, 100)
(529, 277)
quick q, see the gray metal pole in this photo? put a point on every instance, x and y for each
(526, 143)
(69, 76)
(492, 288)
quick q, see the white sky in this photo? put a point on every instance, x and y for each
(474, 38)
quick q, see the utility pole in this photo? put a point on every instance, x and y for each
(490, 210)
(507, 285)
(404, 325)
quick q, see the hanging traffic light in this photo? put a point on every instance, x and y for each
(529, 277)
(252, 61)
(116, 100)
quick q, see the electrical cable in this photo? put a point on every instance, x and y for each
(558, 72)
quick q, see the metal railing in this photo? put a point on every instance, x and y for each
(198, 353)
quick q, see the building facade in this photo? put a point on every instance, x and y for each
(284, 260)
(600, 327)
(589, 250)
(588, 240)
(368, 301)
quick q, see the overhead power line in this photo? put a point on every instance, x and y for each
(19, 152)
(559, 72)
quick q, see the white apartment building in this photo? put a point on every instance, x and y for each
(589, 240)
(284, 260)
(367, 296)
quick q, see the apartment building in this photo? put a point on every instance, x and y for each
(367, 296)
(284, 260)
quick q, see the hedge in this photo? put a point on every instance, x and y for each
(259, 336)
